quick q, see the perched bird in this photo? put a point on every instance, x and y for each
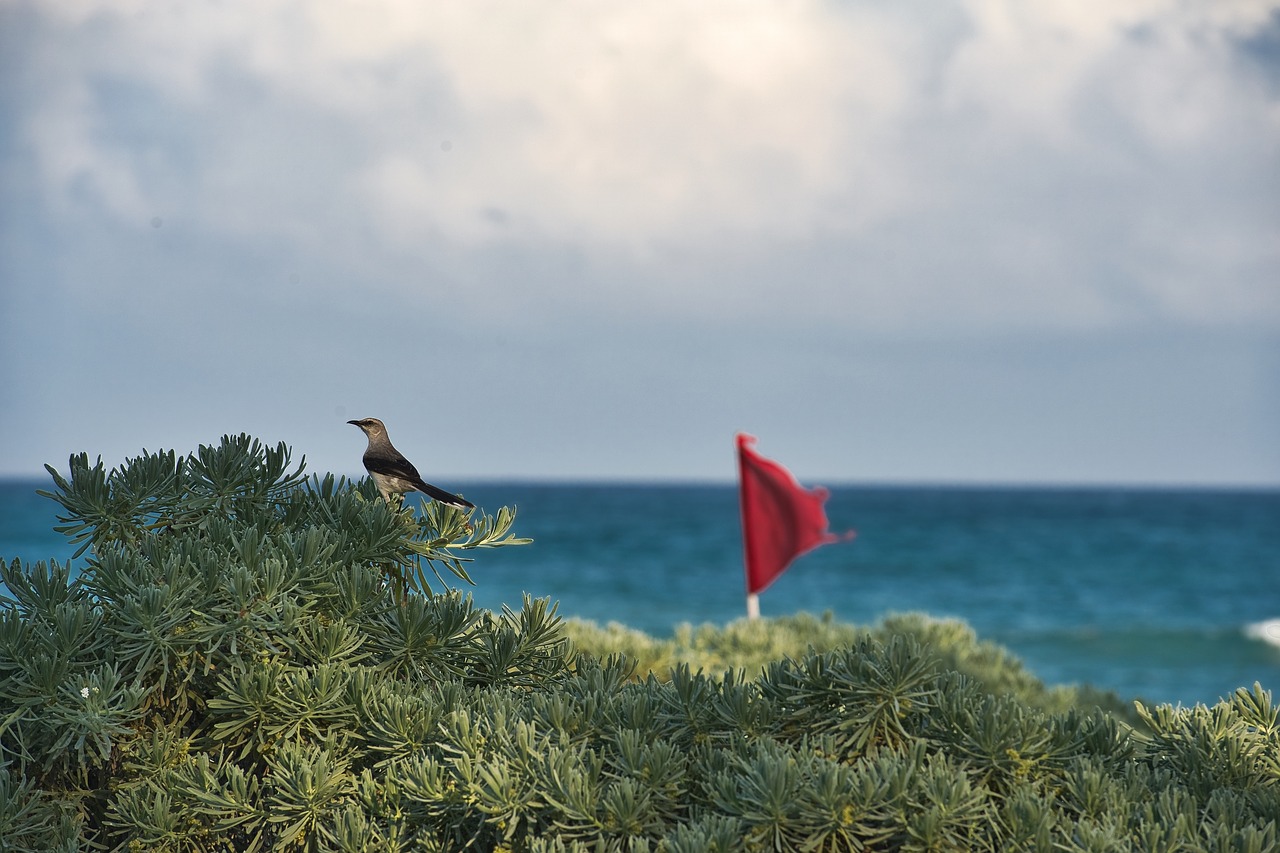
(394, 474)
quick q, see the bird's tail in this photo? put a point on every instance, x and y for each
(438, 494)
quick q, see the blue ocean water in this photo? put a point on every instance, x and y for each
(1171, 596)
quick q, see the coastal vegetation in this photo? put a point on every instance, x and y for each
(257, 660)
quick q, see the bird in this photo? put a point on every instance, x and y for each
(395, 475)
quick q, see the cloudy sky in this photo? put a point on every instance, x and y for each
(966, 241)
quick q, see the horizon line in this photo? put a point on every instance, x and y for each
(622, 480)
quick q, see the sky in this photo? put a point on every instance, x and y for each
(980, 241)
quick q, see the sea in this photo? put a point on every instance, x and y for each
(1165, 595)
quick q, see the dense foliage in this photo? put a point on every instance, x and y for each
(254, 661)
(753, 644)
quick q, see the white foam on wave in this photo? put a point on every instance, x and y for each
(1268, 631)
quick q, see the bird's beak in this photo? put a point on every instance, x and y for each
(354, 423)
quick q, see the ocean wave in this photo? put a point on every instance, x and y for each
(1268, 631)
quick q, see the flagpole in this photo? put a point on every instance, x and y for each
(753, 605)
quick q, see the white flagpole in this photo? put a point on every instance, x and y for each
(753, 605)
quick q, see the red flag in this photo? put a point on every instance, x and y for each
(780, 518)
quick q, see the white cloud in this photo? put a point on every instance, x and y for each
(622, 125)
(578, 121)
(1020, 159)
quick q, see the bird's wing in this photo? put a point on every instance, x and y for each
(392, 466)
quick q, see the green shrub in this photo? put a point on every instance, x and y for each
(256, 661)
(752, 644)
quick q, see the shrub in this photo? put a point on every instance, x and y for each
(751, 644)
(255, 661)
